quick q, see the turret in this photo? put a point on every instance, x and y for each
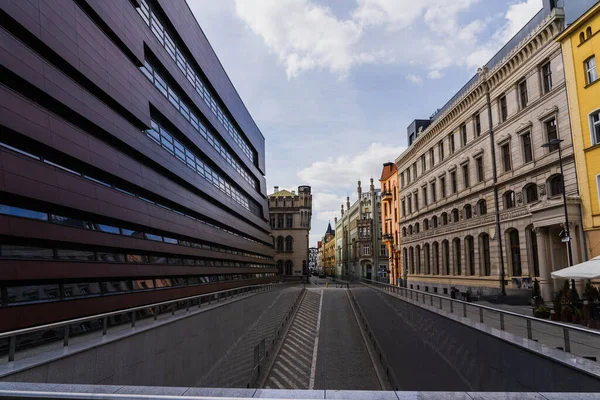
(342, 210)
(372, 187)
(348, 203)
(359, 190)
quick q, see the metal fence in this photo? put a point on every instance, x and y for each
(28, 339)
(570, 338)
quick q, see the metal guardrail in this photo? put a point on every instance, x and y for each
(164, 307)
(554, 334)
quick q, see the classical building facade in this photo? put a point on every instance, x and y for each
(390, 220)
(131, 172)
(319, 256)
(290, 217)
(481, 199)
(329, 251)
(359, 248)
(581, 52)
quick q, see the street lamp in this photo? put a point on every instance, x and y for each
(556, 143)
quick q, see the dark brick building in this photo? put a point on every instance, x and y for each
(130, 170)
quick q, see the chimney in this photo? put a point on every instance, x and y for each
(276, 189)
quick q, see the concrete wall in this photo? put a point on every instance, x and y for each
(427, 351)
(180, 353)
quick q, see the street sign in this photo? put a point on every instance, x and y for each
(566, 239)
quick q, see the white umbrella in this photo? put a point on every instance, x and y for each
(586, 270)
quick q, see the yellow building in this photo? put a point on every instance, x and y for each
(390, 220)
(581, 50)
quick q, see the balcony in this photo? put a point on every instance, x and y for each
(387, 238)
(386, 196)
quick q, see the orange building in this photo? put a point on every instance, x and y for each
(390, 219)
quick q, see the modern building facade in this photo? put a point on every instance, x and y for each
(290, 216)
(329, 251)
(481, 199)
(360, 252)
(390, 220)
(581, 52)
(130, 170)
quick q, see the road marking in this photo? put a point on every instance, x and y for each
(300, 339)
(289, 371)
(301, 334)
(296, 367)
(299, 349)
(287, 349)
(285, 378)
(276, 382)
(313, 369)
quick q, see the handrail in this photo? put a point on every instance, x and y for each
(514, 314)
(12, 335)
(529, 319)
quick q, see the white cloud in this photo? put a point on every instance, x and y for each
(517, 16)
(435, 74)
(416, 79)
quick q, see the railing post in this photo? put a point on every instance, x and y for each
(529, 332)
(66, 336)
(501, 321)
(12, 347)
(481, 315)
(187, 305)
(423, 298)
(451, 307)
(155, 312)
(133, 319)
(431, 300)
(173, 309)
(411, 295)
(104, 325)
(465, 310)
(567, 341)
(440, 303)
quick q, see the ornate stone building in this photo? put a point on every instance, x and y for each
(390, 220)
(290, 215)
(329, 251)
(481, 199)
(359, 248)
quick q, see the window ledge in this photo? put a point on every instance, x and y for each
(592, 84)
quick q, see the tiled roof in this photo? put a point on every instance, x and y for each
(388, 170)
(283, 193)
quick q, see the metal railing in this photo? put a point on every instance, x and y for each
(122, 317)
(573, 339)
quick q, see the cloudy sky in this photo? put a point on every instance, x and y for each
(333, 84)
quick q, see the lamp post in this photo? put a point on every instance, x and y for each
(556, 142)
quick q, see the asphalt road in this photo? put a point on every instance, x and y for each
(343, 360)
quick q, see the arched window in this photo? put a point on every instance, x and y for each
(434, 221)
(555, 185)
(484, 254)
(470, 255)
(279, 267)
(482, 207)
(418, 258)
(404, 258)
(411, 252)
(289, 267)
(455, 215)
(427, 259)
(467, 212)
(288, 244)
(436, 258)
(426, 224)
(417, 228)
(446, 257)
(279, 243)
(410, 230)
(581, 37)
(444, 219)
(588, 32)
(515, 251)
(509, 199)
(403, 231)
(457, 257)
(531, 193)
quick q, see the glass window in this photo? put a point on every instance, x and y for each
(531, 193)
(27, 294)
(480, 170)
(137, 258)
(132, 233)
(477, 125)
(110, 257)
(551, 133)
(453, 184)
(78, 255)
(527, 149)
(463, 132)
(81, 289)
(482, 207)
(22, 212)
(509, 199)
(595, 127)
(466, 175)
(170, 240)
(556, 186)
(441, 150)
(503, 108)
(106, 228)
(523, 93)
(547, 77)
(451, 142)
(76, 223)
(157, 260)
(116, 286)
(18, 251)
(506, 157)
(443, 187)
(590, 70)
(151, 236)
(143, 284)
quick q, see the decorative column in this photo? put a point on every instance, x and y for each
(546, 282)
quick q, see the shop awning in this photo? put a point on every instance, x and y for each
(586, 270)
